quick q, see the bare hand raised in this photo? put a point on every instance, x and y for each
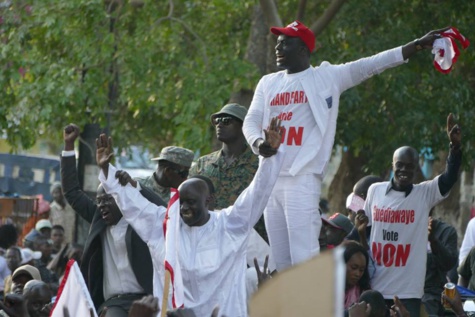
(70, 134)
(453, 131)
(273, 134)
(264, 275)
(398, 309)
(104, 152)
(361, 222)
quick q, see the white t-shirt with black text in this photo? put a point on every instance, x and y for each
(399, 236)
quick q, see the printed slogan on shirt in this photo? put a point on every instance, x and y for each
(291, 135)
(389, 253)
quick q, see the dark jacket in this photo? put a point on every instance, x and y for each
(91, 262)
(444, 256)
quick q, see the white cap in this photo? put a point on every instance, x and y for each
(27, 255)
(43, 223)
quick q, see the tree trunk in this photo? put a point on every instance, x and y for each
(348, 173)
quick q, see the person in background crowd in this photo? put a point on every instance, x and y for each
(324, 208)
(44, 245)
(37, 297)
(355, 200)
(29, 232)
(14, 259)
(70, 251)
(172, 169)
(62, 213)
(8, 238)
(22, 275)
(28, 256)
(57, 237)
(468, 241)
(13, 306)
(337, 227)
(42, 227)
(466, 271)
(442, 255)
(376, 300)
(357, 275)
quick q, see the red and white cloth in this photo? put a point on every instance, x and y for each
(73, 295)
(446, 50)
(171, 231)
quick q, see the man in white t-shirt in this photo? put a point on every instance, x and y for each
(306, 99)
(398, 212)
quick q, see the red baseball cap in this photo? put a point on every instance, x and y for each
(297, 29)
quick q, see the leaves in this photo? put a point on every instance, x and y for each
(172, 69)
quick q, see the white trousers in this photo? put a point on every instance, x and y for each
(292, 219)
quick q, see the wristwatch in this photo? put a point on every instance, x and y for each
(418, 45)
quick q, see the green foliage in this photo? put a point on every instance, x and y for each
(407, 105)
(60, 59)
(171, 72)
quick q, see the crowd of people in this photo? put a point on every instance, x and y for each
(250, 211)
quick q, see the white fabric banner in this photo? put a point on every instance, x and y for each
(73, 297)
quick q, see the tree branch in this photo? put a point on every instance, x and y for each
(301, 10)
(326, 17)
(270, 12)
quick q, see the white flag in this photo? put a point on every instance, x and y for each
(171, 231)
(73, 298)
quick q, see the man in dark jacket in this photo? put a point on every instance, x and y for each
(441, 257)
(116, 263)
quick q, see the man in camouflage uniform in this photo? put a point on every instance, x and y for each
(172, 169)
(232, 168)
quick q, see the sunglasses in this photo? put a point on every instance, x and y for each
(182, 173)
(223, 120)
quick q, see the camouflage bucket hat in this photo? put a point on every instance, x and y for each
(177, 155)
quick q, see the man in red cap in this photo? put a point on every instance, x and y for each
(306, 99)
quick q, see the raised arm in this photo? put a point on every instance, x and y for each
(252, 126)
(251, 202)
(78, 199)
(350, 74)
(145, 217)
(448, 178)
